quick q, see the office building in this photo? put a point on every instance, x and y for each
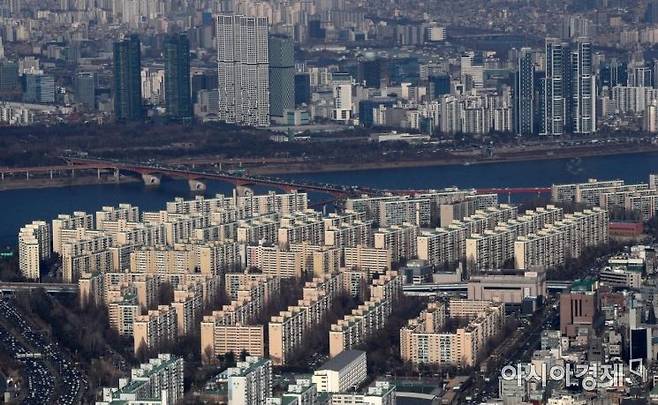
(39, 88)
(282, 75)
(177, 77)
(128, 80)
(160, 381)
(509, 287)
(342, 85)
(9, 79)
(85, 89)
(302, 88)
(372, 72)
(243, 70)
(524, 94)
(439, 85)
(343, 373)
(577, 309)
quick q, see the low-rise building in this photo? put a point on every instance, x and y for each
(508, 286)
(343, 373)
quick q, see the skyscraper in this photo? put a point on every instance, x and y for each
(39, 88)
(243, 70)
(582, 102)
(553, 106)
(439, 85)
(524, 94)
(85, 89)
(127, 80)
(302, 88)
(177, 77)
(282, 75)
(371, 72)
(9, 80)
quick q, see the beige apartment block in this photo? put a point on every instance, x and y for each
(424, 341)
(401, 240)
(155, 328)
(369, 259)
(288, 329)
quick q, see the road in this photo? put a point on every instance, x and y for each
(50, 374)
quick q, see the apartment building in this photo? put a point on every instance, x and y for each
(207, 258)
(188, 305)
(249, 382)
(416, 211)
(276, 261)
(200, 204)
(544, 249)
(272, 202)
(34, 245)
(591, 197)
(288, 329)
(84, 252)
(160, 381)
(372, 260)
(233, 328)
(369, 317)
(354, 328)
(345, 217)
(163, 259)
(258, 230)
(401, 240)
(155, 328)
(135, 233)
(124, 212)
(424, 341)
(491, 249)
(368, 205)
(301, 227)
(348, 234)
(243, 281)
(302, 392)
(179, 228)
(644, 204)
(378, 393)
(217, 339)
(90, 289)
(568, 192)
(122, 311)
(442, 247)
(77, 220)
(318, 260)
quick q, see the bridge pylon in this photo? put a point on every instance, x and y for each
(196, 185)
(151, 179)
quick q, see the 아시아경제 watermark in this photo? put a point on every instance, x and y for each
(589, 376)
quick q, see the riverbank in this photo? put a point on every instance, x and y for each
(58, 182)
(465, 160)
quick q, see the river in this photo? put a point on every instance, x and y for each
(22, 206)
